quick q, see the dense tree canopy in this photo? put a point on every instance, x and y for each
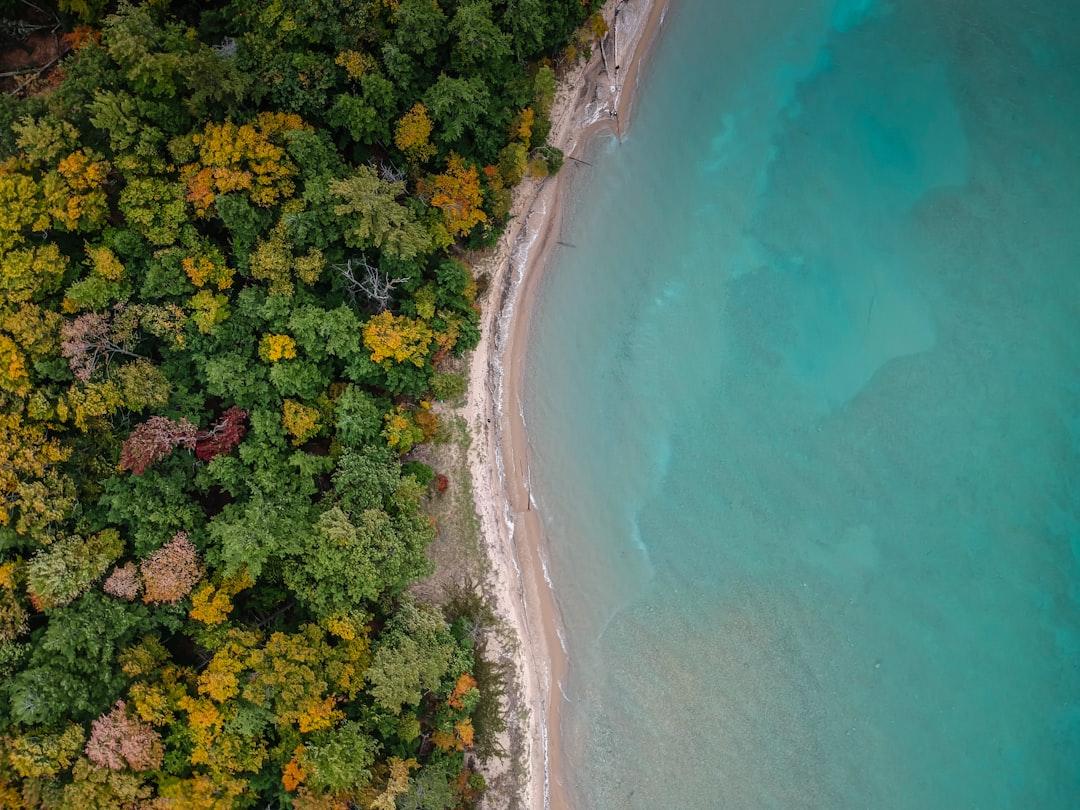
(228, 287)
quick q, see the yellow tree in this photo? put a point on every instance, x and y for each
(356, 63)
(33, 491)
(208, 310)
(211, 604)
(277, 347)
(75, 192)
(522, 127)
(273, 260)
(27, 274)
(22, 206)
(398, 338)
(244, 157)
(457, 194)
(413, 134)
(300, 421)
(35, 330)
(104, 262)
(14, 376)
(206, 269)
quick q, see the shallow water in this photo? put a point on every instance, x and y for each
(804, 408)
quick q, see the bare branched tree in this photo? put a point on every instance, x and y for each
(389, 172)
(363, 279)
(227, 48)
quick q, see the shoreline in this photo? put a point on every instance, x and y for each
(512, 530)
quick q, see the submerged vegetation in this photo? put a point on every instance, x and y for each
(228, 290)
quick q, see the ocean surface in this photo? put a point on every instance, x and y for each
(804, 412)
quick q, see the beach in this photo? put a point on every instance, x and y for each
(595, 97)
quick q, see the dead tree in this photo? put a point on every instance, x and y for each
(389, 172)
(363, 279)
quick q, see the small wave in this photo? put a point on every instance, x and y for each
(638, 541)
(547, 764)
(562, 643)
(547, 576)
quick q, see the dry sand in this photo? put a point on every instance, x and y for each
(498, 459)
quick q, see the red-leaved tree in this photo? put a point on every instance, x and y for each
(153, 440)
(226, 433)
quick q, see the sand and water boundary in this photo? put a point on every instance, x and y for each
(596, 97)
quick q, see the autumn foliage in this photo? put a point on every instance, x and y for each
(118, 741)
(244, 158)
(169, 574)
(397, 338)
(155, 439)
(457, 194)
(413, 132)
(224, 436)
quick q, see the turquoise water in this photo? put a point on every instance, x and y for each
(804, 405)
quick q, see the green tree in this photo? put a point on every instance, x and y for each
(458, 107)
(431, 789)
(358, 418)
(348, 562)
(367, 479)
(59, 574)
(478, 42)
(224, 268)
(527, 24)
(411, 658)
(339, 759)
(154, 208)
(374, 216)
(71, 671)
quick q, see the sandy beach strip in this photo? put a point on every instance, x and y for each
(498, 459)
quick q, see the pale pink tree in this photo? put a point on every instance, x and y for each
(169, 574)
(123, 582)
(88, 342)
(118, 741)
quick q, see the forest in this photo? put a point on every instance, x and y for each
(231, 287)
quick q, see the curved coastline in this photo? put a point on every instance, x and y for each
(498, 458)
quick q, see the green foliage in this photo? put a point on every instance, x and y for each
(448, 387)
(375, 218)
(72, 671)
(143, 385)
(340, 758)
(459, 107)
(431, 789)
(154, 208)
(411, 657)
(513, 160)
(358, 417)
(367, 479)
(351, 560)
(86, 10)
(423, 474)
(61, 572)
(479, 44)
(153, 507)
